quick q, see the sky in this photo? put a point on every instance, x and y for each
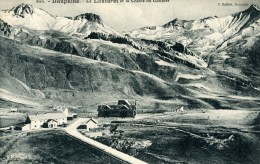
(127, 16)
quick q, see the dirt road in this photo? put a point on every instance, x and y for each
(72, 130)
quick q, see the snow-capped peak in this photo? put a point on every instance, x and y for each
(90, 17)
(26, 16)
(175, 22)
(23, 9)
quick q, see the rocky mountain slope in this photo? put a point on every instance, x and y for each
(227, 44)
(207, 63)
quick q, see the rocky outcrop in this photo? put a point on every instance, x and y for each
(173, 58)
(66, 47)
(253, 12)
(168, 45)
(5, 28)
(176, 22)
(23, 9)
(113, 38)
(46, 42)
(167, 52)
(90, 17)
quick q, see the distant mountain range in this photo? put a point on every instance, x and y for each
(206, 63)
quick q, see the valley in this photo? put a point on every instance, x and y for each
(207, 67)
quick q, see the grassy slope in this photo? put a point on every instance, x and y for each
(75, 80)
(47, 77)
(51, 147)
(213, 136)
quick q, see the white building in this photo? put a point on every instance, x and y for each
(52, 123)
(91, 123)
(51, 119)
(25, 127)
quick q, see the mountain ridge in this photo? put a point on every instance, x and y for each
(38, 19)
(205, 63)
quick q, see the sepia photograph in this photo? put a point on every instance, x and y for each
(129, 81)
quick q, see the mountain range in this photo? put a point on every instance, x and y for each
(81, 62)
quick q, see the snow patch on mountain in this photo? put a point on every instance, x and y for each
(201, 86)
(164, 63)
(36, 19)
(205, 35)
(194, 60)
(188, 76)
(80, 27)
(155, 78)
(26, 16)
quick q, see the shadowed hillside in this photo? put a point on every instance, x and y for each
(205, 63)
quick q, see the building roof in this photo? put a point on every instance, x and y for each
(93, 120)
(125, 102)
(123, 107)
(104, 107)
(107, 107)
(51, 120)
(47, 116)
